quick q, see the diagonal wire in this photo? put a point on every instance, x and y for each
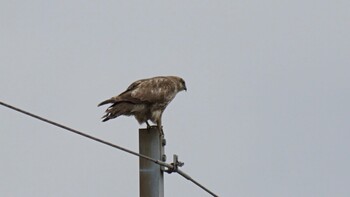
(86, 135)
(110, 144)
(186, 176)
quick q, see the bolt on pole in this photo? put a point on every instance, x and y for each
(151, 144)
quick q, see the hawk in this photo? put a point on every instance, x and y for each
(145, 99)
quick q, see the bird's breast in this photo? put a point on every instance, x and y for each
(156, 114)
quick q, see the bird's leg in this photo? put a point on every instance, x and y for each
(160, 127)
(161, 130)
(148, 126)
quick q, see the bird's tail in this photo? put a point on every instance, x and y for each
(117, 109)
(111, 100)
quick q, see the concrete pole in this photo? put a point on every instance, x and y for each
(152, 145)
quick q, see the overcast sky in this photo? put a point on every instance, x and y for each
(266, 112)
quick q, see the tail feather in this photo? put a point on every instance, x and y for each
(105, 119)
(111, 100)
(117, 109)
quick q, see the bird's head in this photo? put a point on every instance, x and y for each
(182, 84)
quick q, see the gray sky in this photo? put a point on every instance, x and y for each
(266, 111)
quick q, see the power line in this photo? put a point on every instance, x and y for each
(171, 167)
(186, 176)
(86, 135)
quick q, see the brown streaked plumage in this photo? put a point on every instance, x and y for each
(146, 99)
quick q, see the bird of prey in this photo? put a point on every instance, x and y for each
(146, 99)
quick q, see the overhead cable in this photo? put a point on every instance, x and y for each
(172, 168)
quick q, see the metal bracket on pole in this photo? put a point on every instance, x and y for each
(176, 164)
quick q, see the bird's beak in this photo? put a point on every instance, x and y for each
(185, 88)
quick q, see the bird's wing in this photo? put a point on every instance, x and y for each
(157, 89)
(135, 84)
(124, 96)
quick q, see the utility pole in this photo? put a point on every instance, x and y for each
(151, 144)
(151, 149)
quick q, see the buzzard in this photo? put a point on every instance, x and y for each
(146, 99)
